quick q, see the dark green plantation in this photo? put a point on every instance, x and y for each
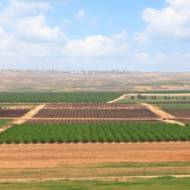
(41, 97)
(100, 132)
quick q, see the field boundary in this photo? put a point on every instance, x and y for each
(116, 178)
(28, 115)
(166, 117)
(117, 99)
(21, 120)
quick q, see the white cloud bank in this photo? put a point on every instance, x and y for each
(171, 21)
(24, 30)
(98, 45)
(26, 35)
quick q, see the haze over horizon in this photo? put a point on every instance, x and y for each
(85, 35)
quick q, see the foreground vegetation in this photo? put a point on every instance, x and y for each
(150, 184)
(3, 122)
(100, 132)
(40, 97)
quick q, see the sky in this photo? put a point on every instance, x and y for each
(145, 35)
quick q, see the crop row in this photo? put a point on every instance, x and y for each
(36, 97)
(95, 113)
(101, 132)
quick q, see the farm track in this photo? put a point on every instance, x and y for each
(20, 120)
(28, 115)
(39, 155)
(114, 179)
(165, 116)
(5, 127)
(117, 99)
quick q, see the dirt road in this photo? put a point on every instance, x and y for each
(166, 117)
(28, 115)
(117, 99)
(55, 155)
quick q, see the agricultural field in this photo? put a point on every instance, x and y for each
(102, 132)
(3, 122)
(179, 110)
(65, 135)
(41, 97)
(93, 112)
(158, 97)
(148, 184)
(10, 113)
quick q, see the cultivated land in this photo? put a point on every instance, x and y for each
(46, 97)
(94, 133)
(57, 137)
(158, 184)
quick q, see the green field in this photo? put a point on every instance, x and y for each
(175, 106)
(155, 98)
(100, 132)
(3, 122)
(166, 183)
(40, 97)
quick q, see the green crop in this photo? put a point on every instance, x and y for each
(38, 97)
(97, 132)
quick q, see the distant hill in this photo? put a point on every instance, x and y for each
(92, 81)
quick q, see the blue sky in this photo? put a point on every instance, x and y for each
(146, 35)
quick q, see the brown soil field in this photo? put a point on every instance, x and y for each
(90, 120)
(93, 106)
(94, 113)
(179, 113)
(12, 112)
(56, 155)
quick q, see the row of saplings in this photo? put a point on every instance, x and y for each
(93, 133)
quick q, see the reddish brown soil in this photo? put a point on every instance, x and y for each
(13, 112)
(90, 120)
(92, 106)
(180, 113)
(55, 155)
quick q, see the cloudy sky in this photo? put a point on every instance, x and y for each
(145, 35)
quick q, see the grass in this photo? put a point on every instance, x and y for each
(166, 183)
(3, 122)
(175, 106)
(138, 98)
(98, 170)
(99, 132)
(40, 97)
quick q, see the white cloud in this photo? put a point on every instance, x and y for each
(21, 8)
(98, 45)
(142, 56)
(30, 35)
(24, 29)
(81, 14)
(35, 27)
(28, 19)
(171, 21)
(5, 40)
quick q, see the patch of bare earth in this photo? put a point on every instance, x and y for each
(54, 155)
